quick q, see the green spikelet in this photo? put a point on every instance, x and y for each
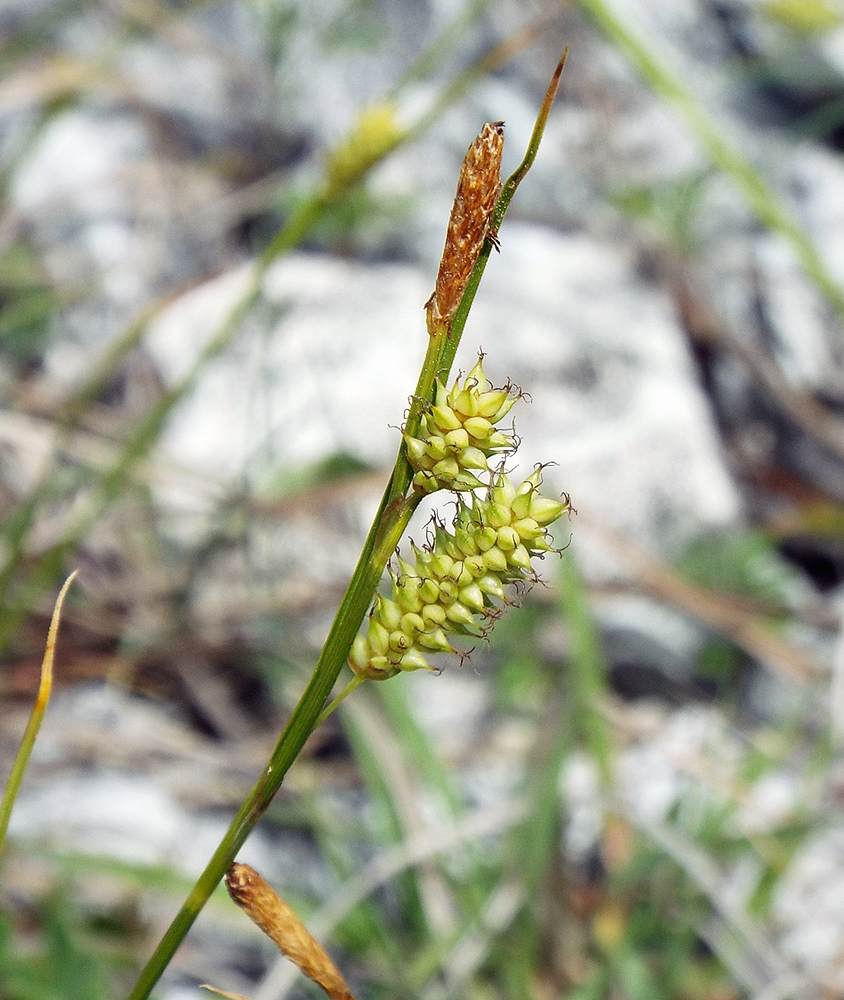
(459, 435)
(455, 585)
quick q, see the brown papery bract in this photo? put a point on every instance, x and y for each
(478, 187)
(257, 898)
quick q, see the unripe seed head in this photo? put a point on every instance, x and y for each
(436, 448)
(435, 641)
(422, 558)
(478, 428)
(473, 458)
(387, 612)
(466, 543)
(432, 614)
(532, 482)
(460, 614)
(476, 379)
(466, 480)
(508, 538)
(491, 585)
(426, 482)
(416, 449)
(453, 549)
(408, 593)
(447, 469)
(487, 538)
(544, 510)
(496, 514)
(520, 558)
(503, 491)
(412, 623)
(445, 418)
(489, 403)
(379, 638)
(473, 597)
(359, 655)
(498, 440)
(495, 560)
(458, 440)
(539, 545)
(381, 669)
(504, 409)
(466, 403)
(414, 660)
(400, 642)
(407, 571)
(527, 529)
(442, 565)
(475, 565)
(520, 505)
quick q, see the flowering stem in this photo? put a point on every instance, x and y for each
(397, 505)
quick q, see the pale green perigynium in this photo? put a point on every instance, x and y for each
(459, 435)
(455, 586)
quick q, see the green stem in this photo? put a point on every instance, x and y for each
(387, 528)
(383, 538)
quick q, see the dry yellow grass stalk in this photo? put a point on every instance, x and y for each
(267, 909)
(478, 187)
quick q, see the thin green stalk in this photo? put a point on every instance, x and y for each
(387, 528)
(762, 199)
(384, 535)
(587, 670)
(383, 538)
(335, 703)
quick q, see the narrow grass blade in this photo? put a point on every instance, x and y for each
(587, 668)
(34, 724)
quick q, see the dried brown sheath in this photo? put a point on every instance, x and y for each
(478, 187)
(256, 897)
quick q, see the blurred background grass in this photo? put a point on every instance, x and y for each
(569, 819)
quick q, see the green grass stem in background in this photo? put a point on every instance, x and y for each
(764, 202)
(588, 670)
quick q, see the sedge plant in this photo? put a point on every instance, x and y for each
(453, 442)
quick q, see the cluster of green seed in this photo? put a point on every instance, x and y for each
(459, 435)
(456, 584)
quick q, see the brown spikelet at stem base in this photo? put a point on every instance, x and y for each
(262, 904)
(478, 187)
